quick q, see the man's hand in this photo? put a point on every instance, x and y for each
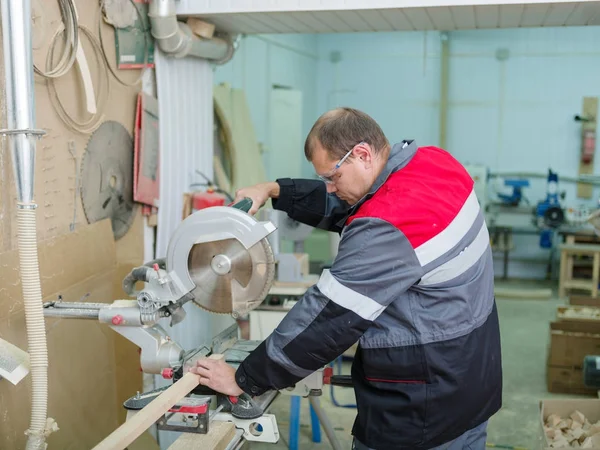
(217, 375)
(259, 193)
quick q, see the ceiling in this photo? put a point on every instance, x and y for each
(323, 16)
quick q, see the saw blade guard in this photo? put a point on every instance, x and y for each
(222, 259)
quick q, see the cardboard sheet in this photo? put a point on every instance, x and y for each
(233, 113)
(92, 368)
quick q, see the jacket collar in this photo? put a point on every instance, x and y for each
(400, 155)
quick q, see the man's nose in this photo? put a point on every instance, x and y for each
(331, 188)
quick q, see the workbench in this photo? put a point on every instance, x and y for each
(501, 237)
(579, 253)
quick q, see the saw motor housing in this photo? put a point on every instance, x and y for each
(218, 258)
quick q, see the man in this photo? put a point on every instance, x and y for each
(413, 282)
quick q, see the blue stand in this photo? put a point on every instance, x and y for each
(315, 425)
(295, 423)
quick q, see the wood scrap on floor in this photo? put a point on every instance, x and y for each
(578, 313)
(574, 431)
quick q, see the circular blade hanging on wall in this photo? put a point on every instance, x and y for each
(107, 177)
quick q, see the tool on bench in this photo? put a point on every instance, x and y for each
(219, 259)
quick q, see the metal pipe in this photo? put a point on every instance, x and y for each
(580, 179)
(177, 39)
(72, 313)
(20, 105)
(325, 423)
(81, 305)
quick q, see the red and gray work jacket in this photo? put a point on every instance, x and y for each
(413, 283)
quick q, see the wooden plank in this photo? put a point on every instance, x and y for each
(542, 294)
(201, 28)
(130, 430)
(219, 436)
(580, 248)
(140, 422)
(589, 111)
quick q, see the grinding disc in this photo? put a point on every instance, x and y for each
(107, 177)
(230, 278)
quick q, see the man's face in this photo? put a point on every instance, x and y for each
(352, 180)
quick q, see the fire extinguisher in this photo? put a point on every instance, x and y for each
(588, 146)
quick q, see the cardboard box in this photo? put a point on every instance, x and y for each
(570, 342)
(584, 301)
(590, 408)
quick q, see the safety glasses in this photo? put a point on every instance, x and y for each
(329, 178)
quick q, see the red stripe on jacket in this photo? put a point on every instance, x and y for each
(422, 198)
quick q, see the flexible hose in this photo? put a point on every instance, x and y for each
(36, 329)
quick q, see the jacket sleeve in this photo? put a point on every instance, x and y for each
(308, 202)
(375, 264)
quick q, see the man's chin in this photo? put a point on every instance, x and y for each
(349, 202)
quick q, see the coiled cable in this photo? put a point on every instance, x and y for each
(70, 24)
(95, 121)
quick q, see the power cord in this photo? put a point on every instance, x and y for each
(211, 185)
(94, 122)
(70, 24)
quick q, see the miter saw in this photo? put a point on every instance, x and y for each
(220, 259)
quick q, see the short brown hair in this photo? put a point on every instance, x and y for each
(341, 129)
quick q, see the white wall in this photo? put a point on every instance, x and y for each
(513, 115)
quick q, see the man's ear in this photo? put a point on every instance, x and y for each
(363, 152)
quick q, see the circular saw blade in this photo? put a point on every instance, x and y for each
(107, 177)
(240, 284)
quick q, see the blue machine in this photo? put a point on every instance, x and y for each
(549, 213)
(517, 194)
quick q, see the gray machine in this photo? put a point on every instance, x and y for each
(221, 260)
(289, 267)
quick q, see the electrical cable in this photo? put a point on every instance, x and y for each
(146, 45)
(95, 121)
(70, 24)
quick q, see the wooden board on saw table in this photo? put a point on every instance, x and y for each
(218, 437)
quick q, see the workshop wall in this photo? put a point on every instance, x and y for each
(92, 369)
(262, 61)
(510, 115)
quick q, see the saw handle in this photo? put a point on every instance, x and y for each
(244, 204)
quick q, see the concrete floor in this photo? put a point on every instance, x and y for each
(525, 337)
